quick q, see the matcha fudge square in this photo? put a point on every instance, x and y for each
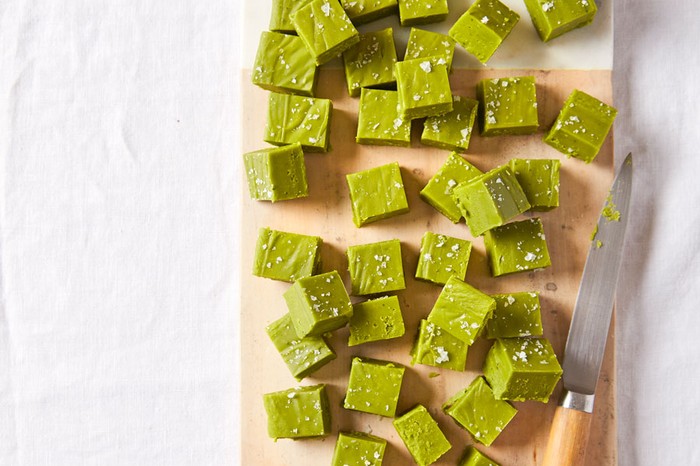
(517, 247)
(490, 200)
(276, 174)
(581, 126)
(325, 29)
(552, 18)
(435, 346)
(303, 356)
(281, 15)
(370, 62)
(376, 194)
(285, 256)
(483, 27)
(473, 457)
(539, 179)
(508, 106)
(376, 267)
(436, 47)
(424, 88)
(415, 12)
(462, 310)
(479, 412)
(516, 315)
(358, 449)
(293, 118)
(374, 386)
(442, 257)
(522, 369)
(452, 130)
(438, 192)
(379, 121)
(422, 436)
(299, 412)
(282, 64)
(376, 320)
(365, 11)
(318, 304)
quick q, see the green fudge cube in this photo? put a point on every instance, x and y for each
(435, 346)
(325, 29)
(507, 106)
(552, 18)
(581, 127)
(376, 267)
(422, 436)
(490, 200)
(276, 174)
(375, 320)
(438, 191)
(298, 412)
(415, 12)
(318, 304)
(280, 255)
(374, 387)
(365, 11)
(280, 19)
(476, 410)
(303, 356)
(293, 118)
(370, 62)
(442, 257)
(376, 194)
(517, 247)
(424, 88)
(358, 449)
(462, 310)
(483, 28)
(282, 64)
(473, 457)
(522, 369)
(539, 179)
(451, 130)
(379, 122)
(439, 48)
(516, 315)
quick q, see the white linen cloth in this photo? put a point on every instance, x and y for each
(118, 232)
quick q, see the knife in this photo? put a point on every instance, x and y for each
(590, 323)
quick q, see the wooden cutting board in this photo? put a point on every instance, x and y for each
(327, 213)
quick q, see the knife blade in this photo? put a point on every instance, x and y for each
(585, 346)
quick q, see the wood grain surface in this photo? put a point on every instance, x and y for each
(327, 213)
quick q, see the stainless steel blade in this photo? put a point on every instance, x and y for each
(588, 333)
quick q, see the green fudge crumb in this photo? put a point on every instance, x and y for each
(598, 244)
(522, 369)
(370, 62)
(375, 320)
(610, 211)
(374, 386)
(358, 448)
(477, 410)
(299, 412)
(303, 356)
(422, 436)
(552, 18)
(438, 192)
(483, 27)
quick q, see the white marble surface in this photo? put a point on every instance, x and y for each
(118, 228)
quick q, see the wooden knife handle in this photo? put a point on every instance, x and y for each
(568, 438)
